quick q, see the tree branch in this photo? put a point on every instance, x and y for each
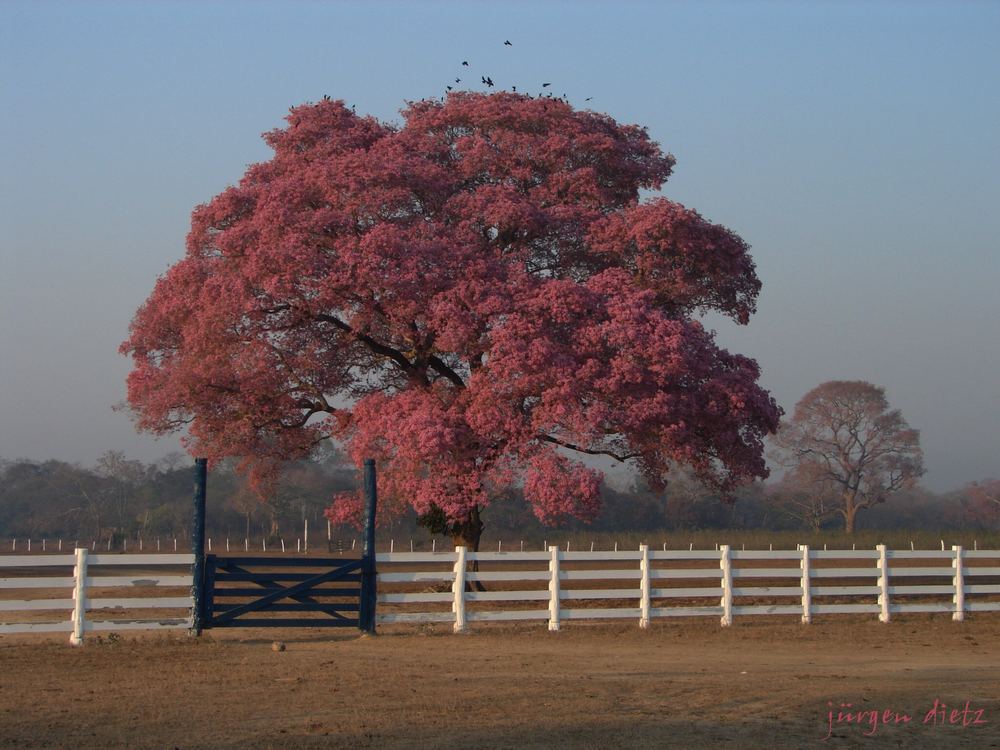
(379, 348)
(441, 367)
(571, 446)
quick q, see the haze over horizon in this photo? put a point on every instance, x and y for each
(855, 146)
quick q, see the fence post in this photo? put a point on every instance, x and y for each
(369, 584)
(79, 597)
(806, 595)
(553, 588)
(644, 586)
(957, 563)
(727, 586)
(458, 589)
(198, 545)
(883, 583)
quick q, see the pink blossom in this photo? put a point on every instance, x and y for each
(484, 290)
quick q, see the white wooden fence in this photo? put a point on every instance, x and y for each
(553, 586)
(679, 583)
(80, 607)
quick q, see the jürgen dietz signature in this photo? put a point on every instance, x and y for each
(940, 714)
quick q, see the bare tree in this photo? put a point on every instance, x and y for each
(843, 436)
(804, 497)
(124, 477)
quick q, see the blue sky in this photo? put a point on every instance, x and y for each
(856, 146)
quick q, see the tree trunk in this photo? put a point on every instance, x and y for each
(849, 498)
(849, 513)
(467, 534)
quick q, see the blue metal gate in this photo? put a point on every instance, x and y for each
(271, 592)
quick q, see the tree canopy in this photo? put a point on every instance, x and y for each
(844, 443)
(474, 297)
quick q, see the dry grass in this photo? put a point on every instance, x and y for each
(758, 684)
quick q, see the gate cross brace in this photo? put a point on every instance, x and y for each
(267, 583)
(285, 593)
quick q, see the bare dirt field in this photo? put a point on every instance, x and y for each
(687, 684)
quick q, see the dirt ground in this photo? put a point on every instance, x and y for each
(687, 684)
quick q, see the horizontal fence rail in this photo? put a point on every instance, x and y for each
(462, 587)
(90, 599)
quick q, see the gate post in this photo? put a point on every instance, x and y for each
(369, 593)
(198, 545)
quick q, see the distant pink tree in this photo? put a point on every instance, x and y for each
(474, 298)
(846, 451)
(982, 504)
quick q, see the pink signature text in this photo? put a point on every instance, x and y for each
(938, 715)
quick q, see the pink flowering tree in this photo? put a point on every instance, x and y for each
(476, 299)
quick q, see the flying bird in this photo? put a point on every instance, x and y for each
(448, 87)
(465, 63)
(546, 84)
(514, 88)
(458, 80)
(507, 43)
(588, 98)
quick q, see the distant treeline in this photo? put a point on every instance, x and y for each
(119, 499)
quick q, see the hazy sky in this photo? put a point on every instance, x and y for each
(855, 146)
